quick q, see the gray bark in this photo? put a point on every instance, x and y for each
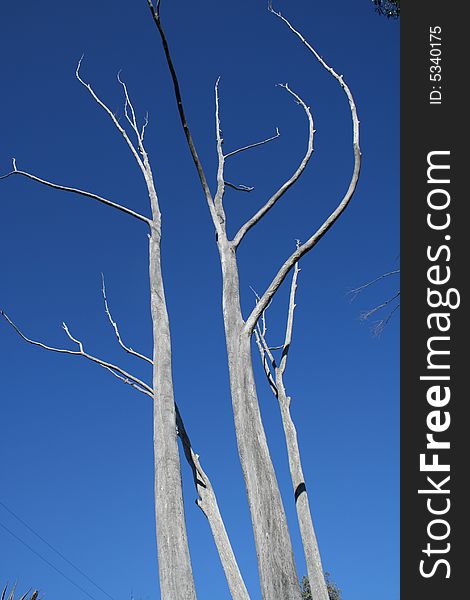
(278, 575)
(174, 564)
(276, 566)
(304, 515)
(276, 382)
(207, 502)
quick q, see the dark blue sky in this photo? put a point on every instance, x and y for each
(76, 444)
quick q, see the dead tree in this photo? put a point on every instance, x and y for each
(274, 370)
(277, 571)
(175, 572)
(389, 306)
(278, 576)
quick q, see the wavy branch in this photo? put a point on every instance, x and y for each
(334, 216)
(290, 182)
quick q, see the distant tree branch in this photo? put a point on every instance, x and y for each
(356, 291)
(380, 325)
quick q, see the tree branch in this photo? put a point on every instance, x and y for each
(132, 119)
(128, 382)
(207, 502)
(261, 343)
(239, 188)
(307, 532)
(380, 325)
(142, 160)
(264, 350)
(355, 292)
(290, 318)
(270, 139)
(155, 11)
(365, 315)
(81, 352)
(112, 116)
(219, 195)
(263, 347)
(290, 182)
(65, 188)
(116, 329)
(334, 216)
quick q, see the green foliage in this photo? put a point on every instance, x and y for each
(334, 592)
(11, 595)
(389, 8)
(305, 589)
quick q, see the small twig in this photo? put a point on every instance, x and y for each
(355, 292)
(70, 336)
(110, 113)
(380, 326)
(132, 121)
(290, 182)
(365, 315)
(239, 188)
(264, 350)
(128, 349)
(261, 343)
(129, 382)
(79, 352)
(270, 139)
(290, 318)
(146, 122)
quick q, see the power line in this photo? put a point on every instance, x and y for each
(46, 561)
(53, 549)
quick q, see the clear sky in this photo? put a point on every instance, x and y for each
(76, 444)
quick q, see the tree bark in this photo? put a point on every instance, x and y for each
(207, 502)
(304, 515)
(277, 571)
(174, 563)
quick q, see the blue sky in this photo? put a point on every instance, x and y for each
(76, 444)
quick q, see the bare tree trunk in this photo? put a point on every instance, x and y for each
(174, 563)
(278, 575)
(276, 565)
